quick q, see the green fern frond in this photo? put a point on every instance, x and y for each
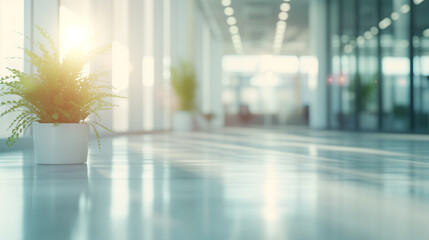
(96, 134)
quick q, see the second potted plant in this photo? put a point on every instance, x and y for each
(184, 85)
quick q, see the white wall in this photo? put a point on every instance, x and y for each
(144, 47)
(11, 28)
(208, 63)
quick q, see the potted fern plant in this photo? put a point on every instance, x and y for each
(57, 101)
(184, 85)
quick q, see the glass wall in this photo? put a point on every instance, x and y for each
(395, 59)
(334, 95)
(421, 65)
(366, 87)
(348, 63)
(373, 84)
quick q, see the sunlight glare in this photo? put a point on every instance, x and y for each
(75, 36)
(74, 31)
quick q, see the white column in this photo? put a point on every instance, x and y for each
(216, 81)
(136, 42)
(167, 63)
(102, 13)
(45, 15)
(11, 26)
(158, 57)
(198, 39)
(206, 91)
(121, 67)
(182, 30)
(148, 64)
(28, 31)
(317, 90)
(42, 13)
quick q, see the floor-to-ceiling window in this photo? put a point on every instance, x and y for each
(421, 65)
(334, 80)
(348, 63)
(371, 44)
(367, 46)
(395, 32)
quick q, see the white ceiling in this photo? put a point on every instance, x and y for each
(257, 20)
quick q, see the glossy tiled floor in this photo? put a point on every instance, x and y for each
(230, 184)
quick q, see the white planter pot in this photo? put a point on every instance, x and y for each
(182, 121)
(65, 143)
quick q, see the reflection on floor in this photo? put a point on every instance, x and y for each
(234, 183)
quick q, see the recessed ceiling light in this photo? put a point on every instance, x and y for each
(394, 16)
(405, 8)
(233, 29)
(374, 30)
(367, 35)
(360, 40)
(417, 2)
(426, 32)
(236, 38)
(280, 34)
(348, 48)
(228, 11)
(384, 23)
(231, 20)
(285, 7)
(226, 3)
(281, 24)
(281, 27)
(283, 15)
(280, 30)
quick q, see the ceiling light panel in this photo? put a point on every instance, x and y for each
(233, 28)
(281, 25)
(226, 3)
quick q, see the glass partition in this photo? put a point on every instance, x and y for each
(373, 85)
(421, 66)
(368, 73)
(334, 85)
(348, 63)
(395, 65)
